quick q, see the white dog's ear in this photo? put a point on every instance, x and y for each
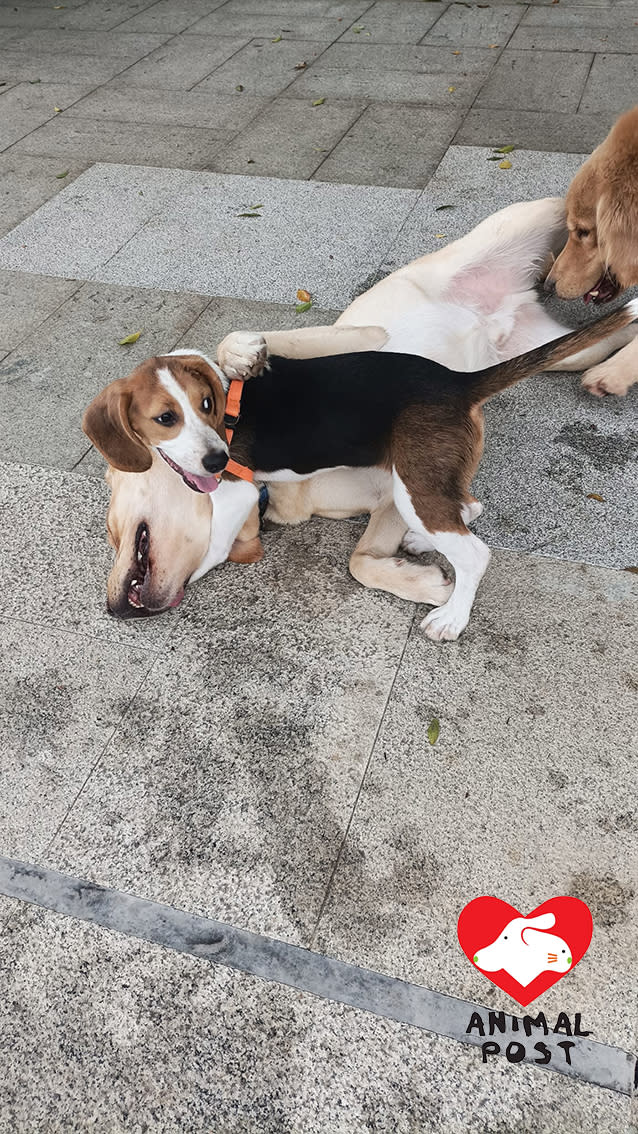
(543, 921)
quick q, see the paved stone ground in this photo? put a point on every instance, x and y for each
(260, 756)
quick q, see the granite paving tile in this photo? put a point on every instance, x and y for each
(536, 130)
(527, 792)
(273, 146)
(236, 1053)
(26, 183)
(419, 60)
(60, 705)
(102, 15)
(55, 560)
(262, 67)
(30, 15)
(47, 382)
(443, 89)
(521, 81)
(393, 21)
(105, 140)
(221, 316)
(53, 67)
(314, 9)
(612, 85)
(155, 106)
(587, 16)
(241, 760)
(27, 106)
(26, 301)
(392, 145)
(479, 26)
(169, 16)
(580, 38)
(183, 61)
(94, 43)
(288, 21)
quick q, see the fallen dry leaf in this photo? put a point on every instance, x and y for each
(632, 570)
(59, 175)
(318, 102)
(439, 236)
(440, 208)
(505, 164)
(456, 53)
(303, 295)
(130, 339)
(450, 89)
(239, 87)
(434, 730)
(58, 109)
(300, 66)
(595, 496)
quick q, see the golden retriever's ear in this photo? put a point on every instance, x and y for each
(617, 239)
(106, 423)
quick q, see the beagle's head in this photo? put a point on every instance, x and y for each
(172, 404)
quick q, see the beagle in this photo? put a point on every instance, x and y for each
(398, 412)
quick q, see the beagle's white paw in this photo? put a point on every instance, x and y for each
(415, 543)
(242, 354)
(445, 623)
(608, 378)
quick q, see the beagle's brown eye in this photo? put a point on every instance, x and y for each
(207, 405)
(581, 233)
(166, 419)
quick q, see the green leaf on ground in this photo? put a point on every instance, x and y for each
(504, 149)
(434, 729)
(319, 102)
(60, 175)
(301, 307)
(130, 339)
(239, 87)
(440, 208)
(277, 39)
(253, 216)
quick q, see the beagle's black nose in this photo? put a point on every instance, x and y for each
(215, 461)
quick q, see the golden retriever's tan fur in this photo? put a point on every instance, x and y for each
(600, 257)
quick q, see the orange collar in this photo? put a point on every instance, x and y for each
(231, 417)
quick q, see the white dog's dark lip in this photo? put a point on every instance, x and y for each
(196, 483)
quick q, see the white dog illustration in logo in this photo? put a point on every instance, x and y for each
(524, 951)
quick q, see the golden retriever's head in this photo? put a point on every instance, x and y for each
(601, 254)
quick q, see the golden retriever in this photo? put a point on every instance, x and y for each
(600, 257)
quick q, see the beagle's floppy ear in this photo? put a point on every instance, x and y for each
(106, 423)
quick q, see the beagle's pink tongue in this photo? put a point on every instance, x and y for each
(204, 483)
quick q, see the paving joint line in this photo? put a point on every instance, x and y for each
(279, 962)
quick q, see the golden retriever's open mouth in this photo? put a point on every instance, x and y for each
(607, 288)
(197, 483)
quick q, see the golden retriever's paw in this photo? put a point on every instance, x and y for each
(607, 379)
(242, 354)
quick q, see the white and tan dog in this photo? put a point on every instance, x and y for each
(467, 306)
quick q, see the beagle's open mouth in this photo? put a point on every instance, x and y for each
(197, 483)
(607, 288)
(140, 569)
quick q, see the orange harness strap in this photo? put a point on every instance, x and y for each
(231, 417)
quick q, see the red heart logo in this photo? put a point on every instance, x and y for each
(525, 955)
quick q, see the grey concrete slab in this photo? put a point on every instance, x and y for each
(53, 67)
(242, 760)
(30, 15)
(521, 80)
(26, 301)
(392, 145)
(60, 705)
(287, 21)
(263, 67)
(29, 105)
(527, 793)
(102, 15)
(183, 61)
(554, 37)
(77, 218)
(26, 183)
(169, 16)
(314, 9)
(222, 316)
(78, 139)
(94, 43)
(365, 56)
(55, 560)
(477, 26)
(238, 1054)
(537, 130)
(394, 21)
(158, 106)
(587, 16)
(47, 382)
(612, 85)
(274, 145)
(325, 235)
(444, 90)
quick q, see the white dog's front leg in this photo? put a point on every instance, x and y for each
(616, 375)
(232, 503)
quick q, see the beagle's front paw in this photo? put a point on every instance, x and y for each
(242, 354)
(608, 378)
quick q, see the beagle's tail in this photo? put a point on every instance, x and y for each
(485, 383)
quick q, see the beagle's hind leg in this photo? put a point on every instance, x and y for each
(441, 522)
(374, 563)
